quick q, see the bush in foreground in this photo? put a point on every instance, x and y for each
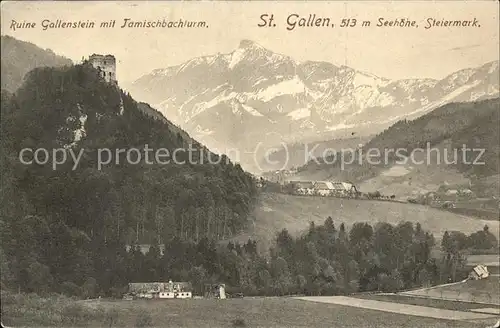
(239, 323)
(53, 311)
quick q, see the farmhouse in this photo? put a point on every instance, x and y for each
(150, 290)
(323, 188)
(303, 187)
(479, 272)
(144, 248)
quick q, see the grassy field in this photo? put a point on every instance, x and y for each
(278, 211)
(248, 312)
(483, 291)
(410, 180)
(490, 260)
(429, 302)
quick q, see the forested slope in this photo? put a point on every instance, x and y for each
(473, 124)
(57, 225)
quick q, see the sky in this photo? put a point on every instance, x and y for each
(391, 52)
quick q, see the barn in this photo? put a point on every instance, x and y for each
(150, 290)
(479, 272)
(323, 188)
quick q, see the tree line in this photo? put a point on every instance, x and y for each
(324, 260)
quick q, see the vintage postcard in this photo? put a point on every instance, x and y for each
(250, 164)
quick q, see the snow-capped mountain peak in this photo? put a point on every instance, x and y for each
(255, 90)
(250, 45)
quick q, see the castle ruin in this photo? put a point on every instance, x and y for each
(106, 65)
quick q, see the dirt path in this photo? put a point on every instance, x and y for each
(415, 310)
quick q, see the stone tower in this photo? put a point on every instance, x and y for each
(106, 65)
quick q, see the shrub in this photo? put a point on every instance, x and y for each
(117, 292)
(73, 314)
(70, 289)
(7, 298)
(239, 323)
(89, 288)
(31, 310)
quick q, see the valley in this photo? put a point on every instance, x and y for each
(262, 206)
(428, 164)
(275, 212)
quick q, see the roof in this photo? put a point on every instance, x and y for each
(342, 186)
(145, 287)
(323, 185)
(303, 184)
(481, 270)
(145, 248)
(148, 287)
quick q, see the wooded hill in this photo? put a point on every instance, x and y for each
(56, 223)
(474, 124)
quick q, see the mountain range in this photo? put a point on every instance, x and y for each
(253, 98)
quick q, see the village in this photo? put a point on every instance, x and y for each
(280, 181)
(479, 200)
(339, 189)
(323, 188)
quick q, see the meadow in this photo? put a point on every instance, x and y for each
(423, 301)
(480, 291)
(33, 311)
(278, 211)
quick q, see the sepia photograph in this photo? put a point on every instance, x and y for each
(274, 164)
